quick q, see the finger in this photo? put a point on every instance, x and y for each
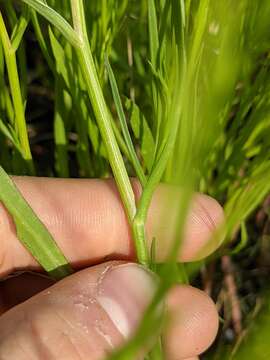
(192, 324)
(204, 217)
(20, 288)
(89, 313)
(76, 301)
(87, 219)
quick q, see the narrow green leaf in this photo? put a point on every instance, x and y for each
(16, 94)
(123, 122)
(142, 133)
(63, 105)
(196, 43)
(41, 40)
(31, 231)
(56, 19)
(243, 239)
(60, 58)
(10, 133)
(20, 28)
(83, 151)
(153, 32)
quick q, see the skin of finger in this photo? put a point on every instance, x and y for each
(87, 219)
(192, 316)
(32, 321)
(203, 219)
(70, 319)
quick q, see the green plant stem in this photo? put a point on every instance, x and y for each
(152, 182)
(100, 109)
(20, 122)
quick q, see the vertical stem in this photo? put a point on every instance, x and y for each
(60, 136)
(20, 122)
(100, 109)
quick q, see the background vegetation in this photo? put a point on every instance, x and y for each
(164, 90)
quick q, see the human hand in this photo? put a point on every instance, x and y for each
(93, 311)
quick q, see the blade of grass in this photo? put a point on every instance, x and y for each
(20, 121)
(56, 19)
(41, 40)
(153, 32)
(7, 131)
(123, 122)
(31, 231)
(83, 153)
(20, 28)
(154, 51)
(142, 133)
(62, 105)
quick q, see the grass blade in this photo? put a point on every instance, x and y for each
(56, 19)
(62, 103)
(20, 28)
(31, 231)
(142, 133)
(153, 32)
(122, 118)
(17, 99)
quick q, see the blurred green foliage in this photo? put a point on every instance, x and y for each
(188, 89)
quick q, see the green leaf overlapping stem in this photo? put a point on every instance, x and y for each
(78, 37)
(199, 110)
(101, 110)
(31, 231)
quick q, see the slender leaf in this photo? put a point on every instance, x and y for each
(124, 126)
(56, 19)
(20, 28)
(31, 231)
(142, 133)
(153, 31)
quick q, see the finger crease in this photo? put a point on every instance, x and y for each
(208, 220)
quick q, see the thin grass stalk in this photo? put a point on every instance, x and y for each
(87, 65)
(104, 121)
(20, 121)
(60, 136)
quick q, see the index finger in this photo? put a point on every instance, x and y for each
(87, 220)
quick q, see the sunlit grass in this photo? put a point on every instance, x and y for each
(167, 91)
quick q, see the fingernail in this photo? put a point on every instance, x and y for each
(124, 293)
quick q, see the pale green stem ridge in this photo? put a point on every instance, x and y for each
(100, 109)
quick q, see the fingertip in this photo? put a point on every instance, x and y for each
(205, 217)
(192, 323)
